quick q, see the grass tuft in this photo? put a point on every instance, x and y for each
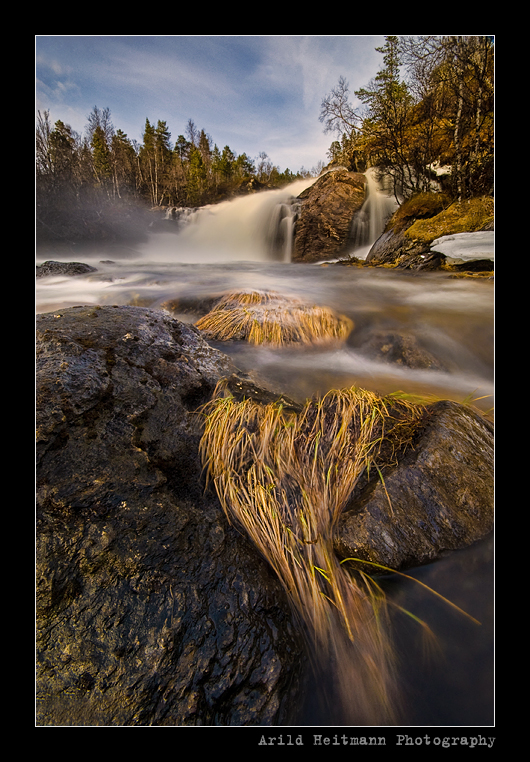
(283, 478)
(261, 317)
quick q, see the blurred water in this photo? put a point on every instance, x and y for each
(452, 319)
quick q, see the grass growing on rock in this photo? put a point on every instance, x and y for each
(461, 217)
(261, 317)
(283, 478)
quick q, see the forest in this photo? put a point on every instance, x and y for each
(428, 113)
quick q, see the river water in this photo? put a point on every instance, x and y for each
(231, 246)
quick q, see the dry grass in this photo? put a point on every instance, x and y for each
(261, 317)
(283, 478)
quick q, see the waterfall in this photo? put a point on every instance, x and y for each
(257, 227)
(260, 227)
(369, 222)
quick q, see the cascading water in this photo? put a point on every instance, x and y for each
(369, 222)
(258, 227)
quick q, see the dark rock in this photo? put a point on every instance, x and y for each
(328, 206)
(63, 268)
(151, 609)
(395, 347)
(396, 249)
(439, 497)
(473, 266)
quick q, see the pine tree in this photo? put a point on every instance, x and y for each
(388, 105)
(123, 159)
(101, 160)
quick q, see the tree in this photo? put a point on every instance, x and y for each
(226, 163)
(197, 176)
(452, 78)
(386, 121)
(264, 167)
(337, 113)
(244, 166)
(156, 161)
(44, 166)
(123, 159)
(192, 133)
(430, 103)
(467, 70)
(63, 156)
(101, 159)
(100, 119)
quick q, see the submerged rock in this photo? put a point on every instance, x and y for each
(395, 347)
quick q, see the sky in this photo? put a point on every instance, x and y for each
(254, 93)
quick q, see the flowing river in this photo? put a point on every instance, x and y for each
(245, 244)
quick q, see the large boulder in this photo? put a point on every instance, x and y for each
(151, 609)
(50, 267)
(328, 206)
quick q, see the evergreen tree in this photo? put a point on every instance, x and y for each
(196, 178)
(123, 158)
(244, 166)
(155, 161)
(163, 157)
(63, 158)
(101, 159)
(388, 104)
(226, 164)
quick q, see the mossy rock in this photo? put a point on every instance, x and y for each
(461, 217)
(419, 207)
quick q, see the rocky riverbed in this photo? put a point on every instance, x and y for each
(151, 608)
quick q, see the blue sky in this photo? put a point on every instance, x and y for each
(253, 93)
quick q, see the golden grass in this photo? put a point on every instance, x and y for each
(283, 479)
(261, 317)
(461, 217)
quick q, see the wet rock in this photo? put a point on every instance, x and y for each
(395, 348)
(327, 209)
(437, 498)
(151, 609)
(62, 268)
(394, 248)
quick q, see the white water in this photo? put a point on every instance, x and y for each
(370, 222)
(257, 227)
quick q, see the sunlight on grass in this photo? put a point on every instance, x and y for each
(283, 478)
(261, 317)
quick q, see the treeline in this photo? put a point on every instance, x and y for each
(430, 106)
(104, 164)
